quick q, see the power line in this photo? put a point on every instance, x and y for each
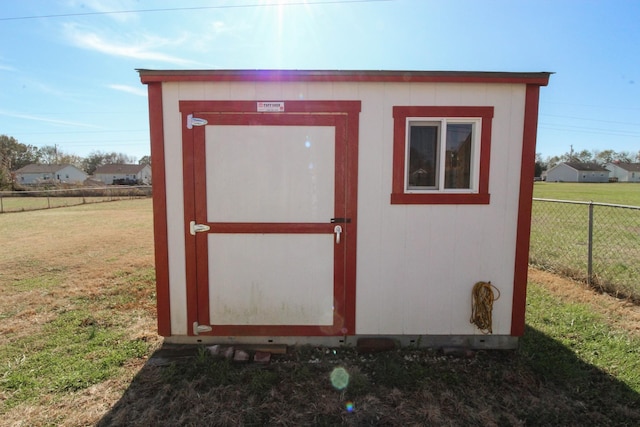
(592, 120)
(175, 9)
(78, 131)
(594, 131)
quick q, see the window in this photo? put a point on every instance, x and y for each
(441, 155)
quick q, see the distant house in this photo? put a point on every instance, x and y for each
(624, 172)
(37, 174)
(123, 174)
(577, 172)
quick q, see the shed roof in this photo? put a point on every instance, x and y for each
(586, 167)
(36, 168)
(119, 169)
(535, 78)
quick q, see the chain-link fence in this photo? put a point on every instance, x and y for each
(36, 199)
(595, 242)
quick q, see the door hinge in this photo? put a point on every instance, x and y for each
(195, 121)
(197, 228)
(197, 328)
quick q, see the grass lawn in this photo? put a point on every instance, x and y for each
(616, 193)
(560, 234)
(77, 336)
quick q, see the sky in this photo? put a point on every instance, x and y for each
(68, 67)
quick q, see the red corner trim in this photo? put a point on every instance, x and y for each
(156, 125)
(524, 210)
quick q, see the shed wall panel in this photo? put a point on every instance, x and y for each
(416, 263)
(175, 208)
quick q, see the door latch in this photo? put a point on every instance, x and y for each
(197, 228)
(338, 230)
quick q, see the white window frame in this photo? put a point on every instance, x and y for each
(476, 122)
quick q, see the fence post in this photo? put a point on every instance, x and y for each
(590, 247)
(1, 205)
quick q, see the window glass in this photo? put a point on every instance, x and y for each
(423, 155)
(458, 155)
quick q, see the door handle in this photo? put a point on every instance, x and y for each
(338, 230)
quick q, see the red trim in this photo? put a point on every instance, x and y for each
(156, 126)
(270, 227)
(439, 199)
(149, 76)
(252, 107)
(344, 117)
(527, 173)
(201, 262)
(400, 114)
(189, 164)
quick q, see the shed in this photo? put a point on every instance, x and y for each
(577, 172)
(624, 172)
(328, 206)
(122, 173)
(38, 174)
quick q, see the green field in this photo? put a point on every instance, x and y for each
(560, 234)
(616, 193)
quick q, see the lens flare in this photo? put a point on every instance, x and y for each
(339, 378)
(349, 406)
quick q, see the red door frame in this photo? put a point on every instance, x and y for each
(344, 116)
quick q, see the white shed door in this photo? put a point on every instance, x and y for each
(271, 190)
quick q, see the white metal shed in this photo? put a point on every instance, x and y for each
(327, 206)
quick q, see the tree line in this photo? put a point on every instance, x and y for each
(15, 155)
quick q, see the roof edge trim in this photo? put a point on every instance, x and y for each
(155, 76)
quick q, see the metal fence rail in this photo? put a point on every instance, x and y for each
(595, 242)
(36, 199)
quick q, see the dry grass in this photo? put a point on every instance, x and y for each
(81, 258)
(94, 262)
(621, 314)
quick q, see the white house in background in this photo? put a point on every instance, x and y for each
(124, 174)
(37, 174)
(577, 172)
(624, 172)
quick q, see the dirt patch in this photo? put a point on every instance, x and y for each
(620, 314)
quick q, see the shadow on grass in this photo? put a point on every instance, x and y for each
(543, 383)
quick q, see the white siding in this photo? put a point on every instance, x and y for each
(562, 173)
(416, 264)
(622, 174)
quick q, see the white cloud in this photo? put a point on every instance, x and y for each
(46, 120)
(147, 49)
(139, 91)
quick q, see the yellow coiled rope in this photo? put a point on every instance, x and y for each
(482, 305)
